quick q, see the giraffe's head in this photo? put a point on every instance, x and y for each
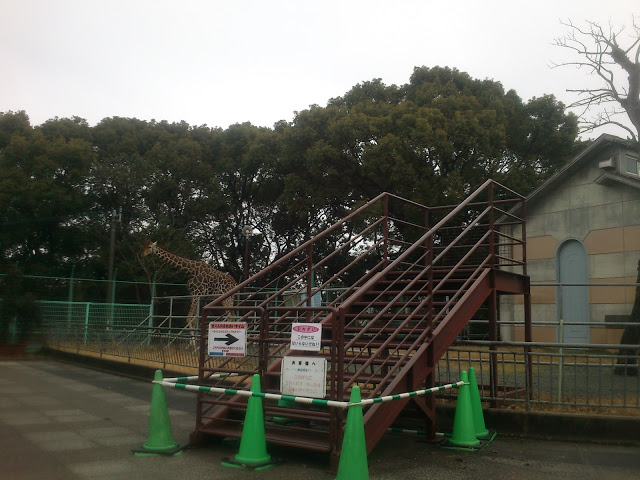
(148, 248)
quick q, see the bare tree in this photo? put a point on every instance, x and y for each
(610, 54)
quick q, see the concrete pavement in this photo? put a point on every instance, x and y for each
(66, 422)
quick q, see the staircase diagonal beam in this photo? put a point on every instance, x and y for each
(392, 322)
(408, 287)
(409, 349)
(381, 415)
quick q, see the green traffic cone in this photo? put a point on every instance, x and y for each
(353, 457)
(476, 405)
(253, 445)
(464, 433)
(286, 403)
(160, 439)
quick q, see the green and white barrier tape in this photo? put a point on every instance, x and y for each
(304, 400)
(400, 396)
(195, 377)
(247, 393)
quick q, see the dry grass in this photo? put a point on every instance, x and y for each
(548, 407)
(575, 409)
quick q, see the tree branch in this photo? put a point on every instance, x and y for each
(604, 56)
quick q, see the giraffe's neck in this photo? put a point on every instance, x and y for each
(177, 261)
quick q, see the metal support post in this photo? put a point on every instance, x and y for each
(385, 243)
(86, 322)
(560, 359)
(70, 300)
(152, 308)
(493, 337)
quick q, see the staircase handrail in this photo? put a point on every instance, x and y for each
(418, 243)
(282, 260)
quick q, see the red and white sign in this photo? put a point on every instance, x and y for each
(227, 339)
(306, 336)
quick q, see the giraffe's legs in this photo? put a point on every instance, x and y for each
(192, 323)
(230, 313)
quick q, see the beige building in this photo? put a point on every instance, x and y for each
(583, 227)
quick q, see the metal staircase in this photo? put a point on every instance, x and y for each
(398, 281)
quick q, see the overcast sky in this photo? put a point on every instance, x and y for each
(220, 63)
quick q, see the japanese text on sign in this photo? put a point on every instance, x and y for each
(227, 339)
(306, 336)
(304, 377)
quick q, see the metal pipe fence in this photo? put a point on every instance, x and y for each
(576, 376)
(588, 371)
(569, 375)
(160, 347)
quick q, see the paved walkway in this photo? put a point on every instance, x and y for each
(65, 422)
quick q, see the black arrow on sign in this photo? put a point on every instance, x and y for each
(230, 339)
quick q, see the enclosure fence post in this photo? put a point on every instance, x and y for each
(560, 359)
(86, 324)
(151, 307)
(527, 383)
(113, 296)
(70, 301)
(492, 253)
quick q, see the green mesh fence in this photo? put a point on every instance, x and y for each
(103, 328)
(122, 332)
(57, 314)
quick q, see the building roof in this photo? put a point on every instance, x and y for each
(599, 145)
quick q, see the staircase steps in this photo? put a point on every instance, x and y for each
(303, 438)
(391, 325)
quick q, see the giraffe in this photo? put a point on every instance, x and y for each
(203, 279)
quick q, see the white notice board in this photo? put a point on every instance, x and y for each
(227, 339)
(306, 336)
(304, 377)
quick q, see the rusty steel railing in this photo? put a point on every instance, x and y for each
(402, 269)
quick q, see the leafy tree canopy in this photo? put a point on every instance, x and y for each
(65, 185)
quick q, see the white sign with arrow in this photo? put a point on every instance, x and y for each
(227, 339)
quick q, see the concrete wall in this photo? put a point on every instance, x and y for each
(606, 219)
